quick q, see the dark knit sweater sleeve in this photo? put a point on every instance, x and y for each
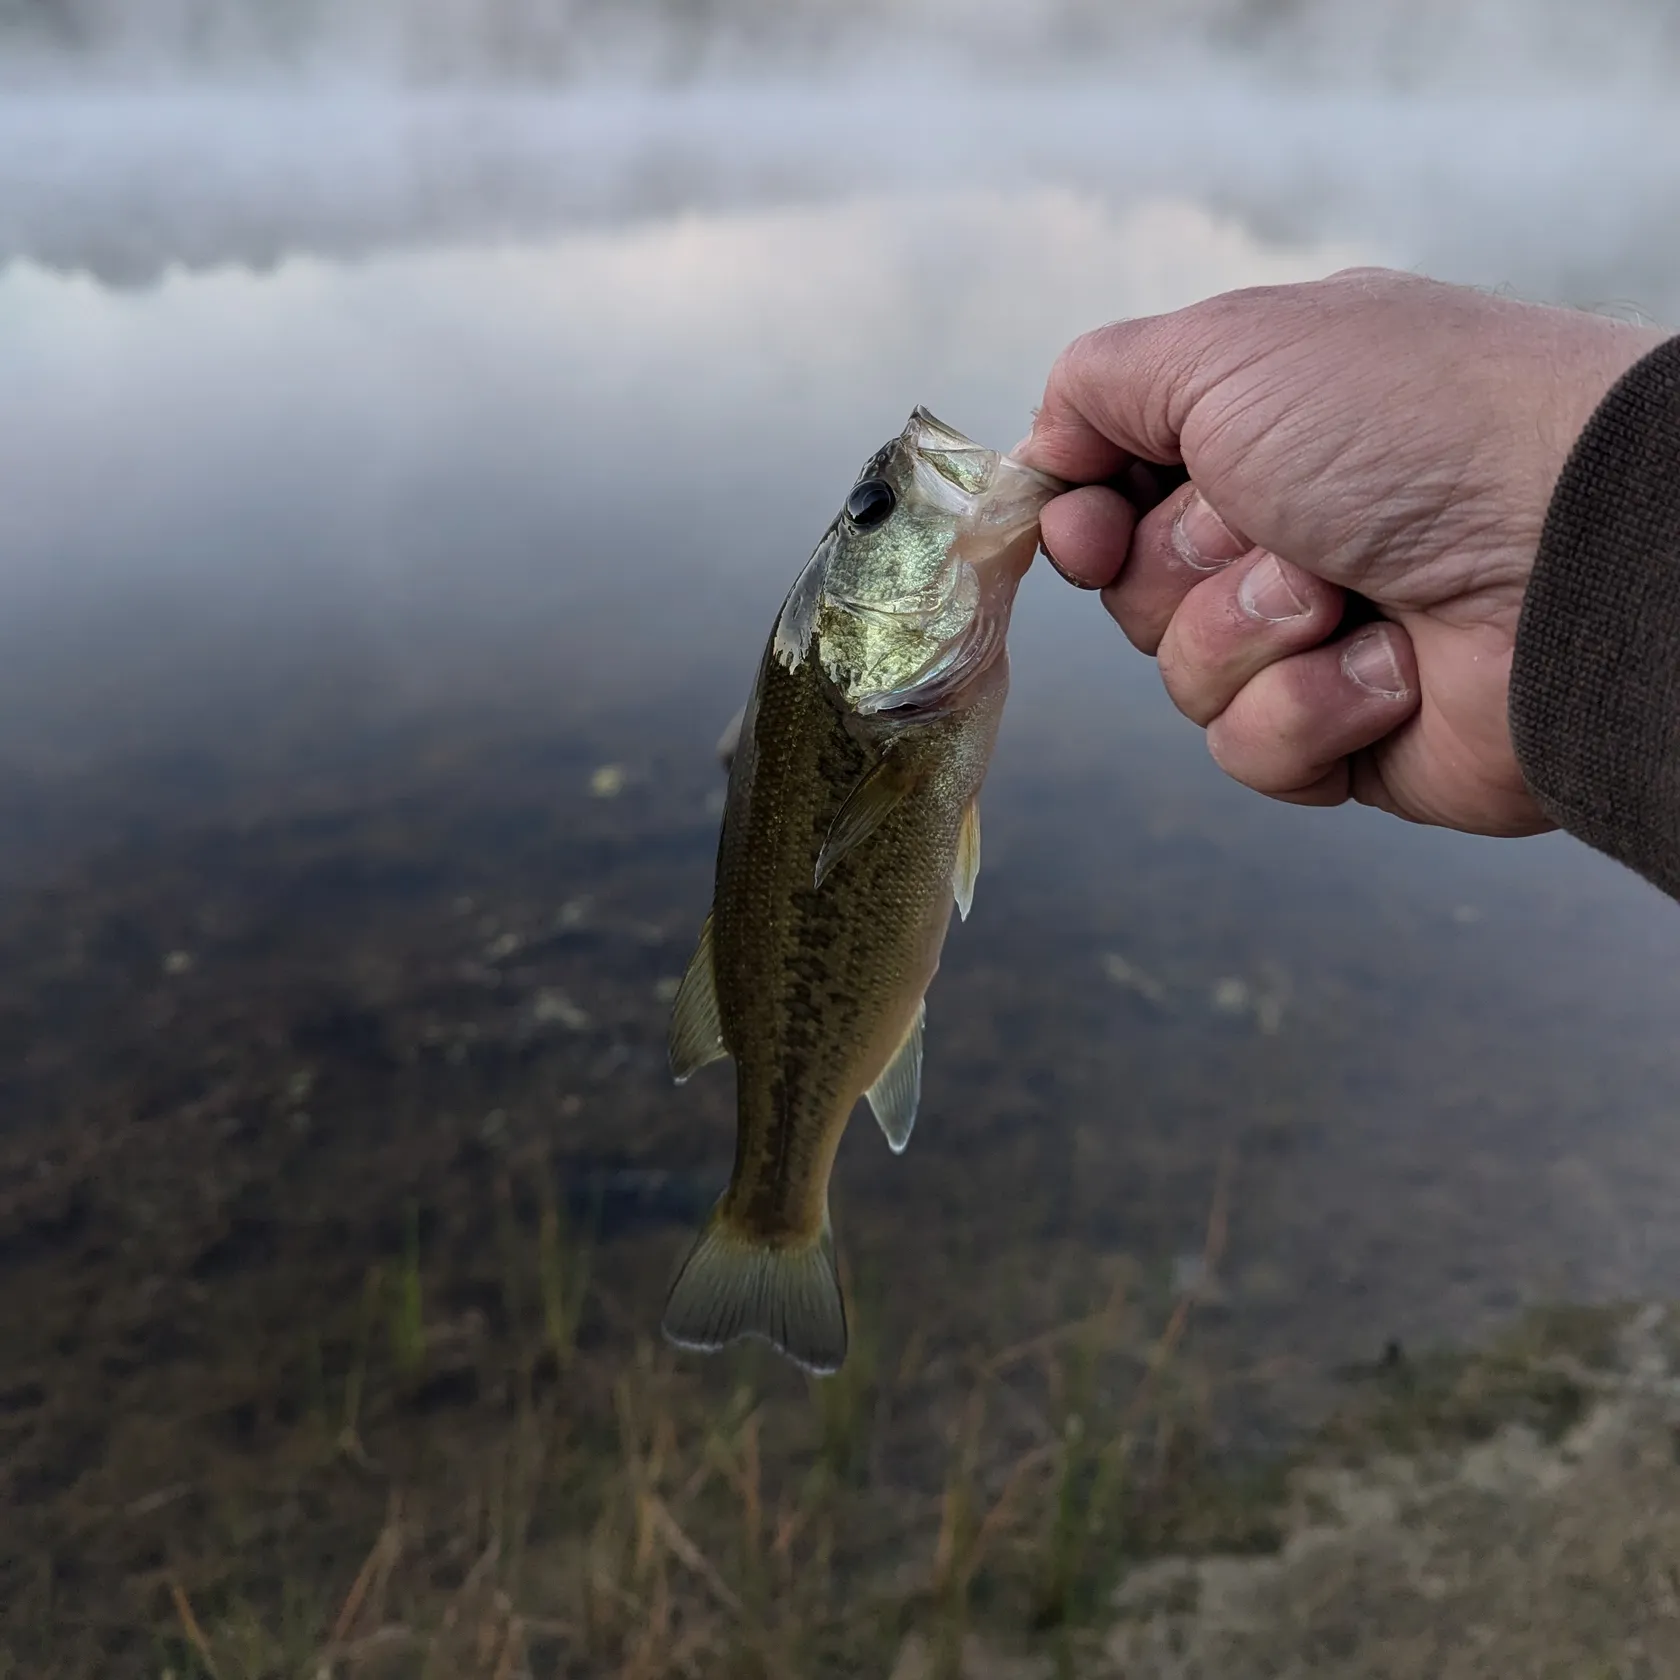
(1595, 684)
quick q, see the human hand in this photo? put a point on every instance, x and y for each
(1372, 432)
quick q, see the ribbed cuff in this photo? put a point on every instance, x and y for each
(1595, 682)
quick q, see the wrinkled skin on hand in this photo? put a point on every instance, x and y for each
(1371, 432)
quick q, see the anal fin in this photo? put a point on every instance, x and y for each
(696, 1032)
(895, 1095)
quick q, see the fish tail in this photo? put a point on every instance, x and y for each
(733, 1284)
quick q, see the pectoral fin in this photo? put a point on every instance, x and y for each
(696, 1034)
(895, 1094)
(867, 806)
(729, 741)
(968, 859)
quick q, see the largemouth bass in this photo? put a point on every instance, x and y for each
(851, 826)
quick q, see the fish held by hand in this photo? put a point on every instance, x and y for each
(850, 828)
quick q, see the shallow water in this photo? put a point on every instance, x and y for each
(329, 586)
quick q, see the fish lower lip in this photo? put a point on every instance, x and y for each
(1016, 527)
(1055, 486)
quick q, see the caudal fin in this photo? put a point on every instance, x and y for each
(731, 1286)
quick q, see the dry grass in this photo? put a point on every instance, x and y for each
(639, 1518)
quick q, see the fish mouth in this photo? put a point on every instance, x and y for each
(995, 501)
(1018, 495)
(987, 491)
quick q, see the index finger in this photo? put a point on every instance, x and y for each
(1129, 391)
(1115, 396)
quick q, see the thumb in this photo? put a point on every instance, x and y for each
(1129, 391)
(1120, 394)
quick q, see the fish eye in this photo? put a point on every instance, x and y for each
(870, 502)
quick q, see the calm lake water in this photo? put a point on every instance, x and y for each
(371, 596)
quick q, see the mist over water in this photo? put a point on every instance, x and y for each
(1572, 198)
(1524, 145)
(1485, 45)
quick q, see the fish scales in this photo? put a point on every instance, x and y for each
(807, 987)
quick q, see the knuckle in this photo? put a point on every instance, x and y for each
(1268, 738)
(1142, 629)
(1213, 628)
(1185, 678)
(1331, 788)
(1237, 310)
(1374, 274)
(1212, 648)
(1276, 772)
(1099, 346)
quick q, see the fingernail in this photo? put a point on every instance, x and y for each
(1055, 565)
(1015, 450)
(1369, 660)
(1201, 538)
(1264, 593)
